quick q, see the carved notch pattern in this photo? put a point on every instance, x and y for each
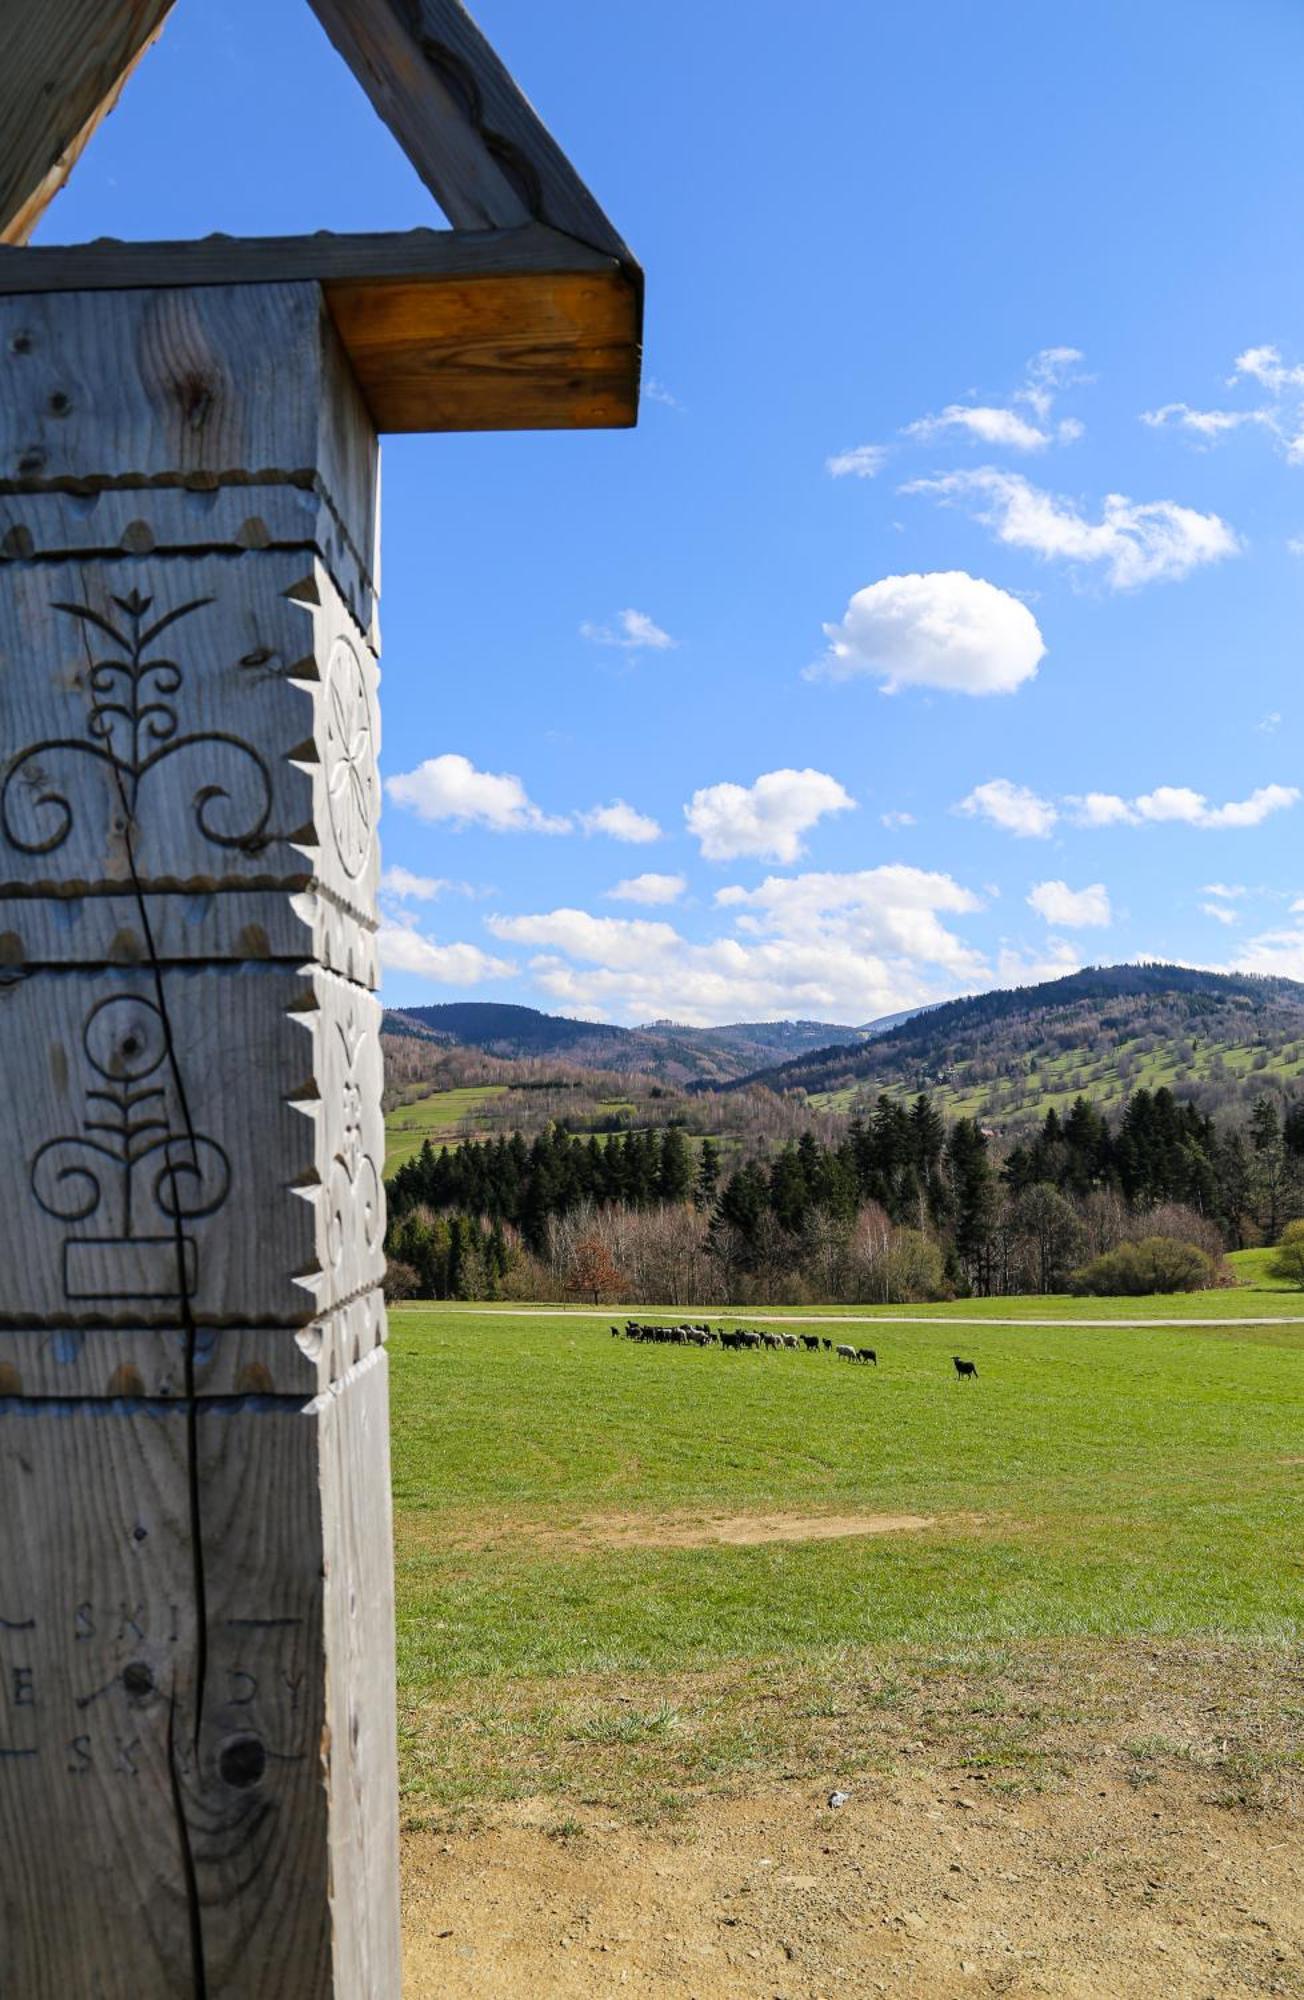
(355, 1187)
(129, 1167)
(350, 759)
(132, 728)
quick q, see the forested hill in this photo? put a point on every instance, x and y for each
(663, 1049)
(1007, 1057)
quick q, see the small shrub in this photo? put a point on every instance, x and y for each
(1155, 1264)
(1287, 1261)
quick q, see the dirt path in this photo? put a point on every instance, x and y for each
(872, 1316)
(922, 1886)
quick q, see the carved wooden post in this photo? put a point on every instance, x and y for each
(197, 1754)
(197, 1744)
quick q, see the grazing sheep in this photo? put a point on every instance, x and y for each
(867, 1354)
(811, 1343)
(827, 1345)
(965, 1368)
(846, 1353)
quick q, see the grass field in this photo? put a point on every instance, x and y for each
(434, 1116)
(559, 1631)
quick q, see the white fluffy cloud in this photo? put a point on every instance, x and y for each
(1073, 909)
(893, 820)
(1014, 808)
(648, 889)
(1017, 966)
(1266, 366)
(1232, 891)
(406, 887)
(1155, 541)
(632, 631)
(621, 822)
(1179, 804)
(945, 630)
(987, 423)
(1222, 913)
(862, 461)
(829, 946)
(403, 948)
(451, 788)
(1279, 953)
(767, 819)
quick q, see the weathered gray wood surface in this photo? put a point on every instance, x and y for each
(62, 66)
(196, 1624)
(521, 328)
(458, 114)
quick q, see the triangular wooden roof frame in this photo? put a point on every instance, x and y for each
(526, 314)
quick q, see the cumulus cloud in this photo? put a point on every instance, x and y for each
(406, 887)
(1073, 909)
(830, 946)
(862, 461)
(1180, 804)
(451, 788)
(1232, 891)
(621, 822)
(767, 819)
(633, 631)
(1017, 966)
(1278, 952)
(946, 629)
(648, 889)
(1266, 366)
(896, 819)
(1155, 541)
(404, 948)
(1223, 913)
(1014, 808)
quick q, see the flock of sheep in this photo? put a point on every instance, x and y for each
(696, 1333)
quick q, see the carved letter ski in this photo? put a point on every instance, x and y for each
(197, 1754)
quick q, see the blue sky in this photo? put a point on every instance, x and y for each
(975, 334)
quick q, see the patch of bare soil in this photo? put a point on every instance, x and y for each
(921, 1886)
(1087, 1819)
(676, 1531)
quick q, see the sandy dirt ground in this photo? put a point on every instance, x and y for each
(924, 1885)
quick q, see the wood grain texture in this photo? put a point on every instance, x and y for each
(471, 134)
(197, 387)
(163, 521)
(191, 1214)
(508, 329)
(247, 1095)
(111, 1753)
(360, 1710)
(65, 63)
(490, 354)
(278, 925)
(111, 1362)
(205, 724)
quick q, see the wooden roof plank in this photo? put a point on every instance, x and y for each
(455, 109)
(514, 329)
(63, 68)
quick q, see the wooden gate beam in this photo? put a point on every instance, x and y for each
(62, 67)
(447, 330)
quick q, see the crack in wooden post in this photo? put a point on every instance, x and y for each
(197, 1733)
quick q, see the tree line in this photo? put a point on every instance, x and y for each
(903, 1205)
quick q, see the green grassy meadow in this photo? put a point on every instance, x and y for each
(1092, 1485)
(434, 1116)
